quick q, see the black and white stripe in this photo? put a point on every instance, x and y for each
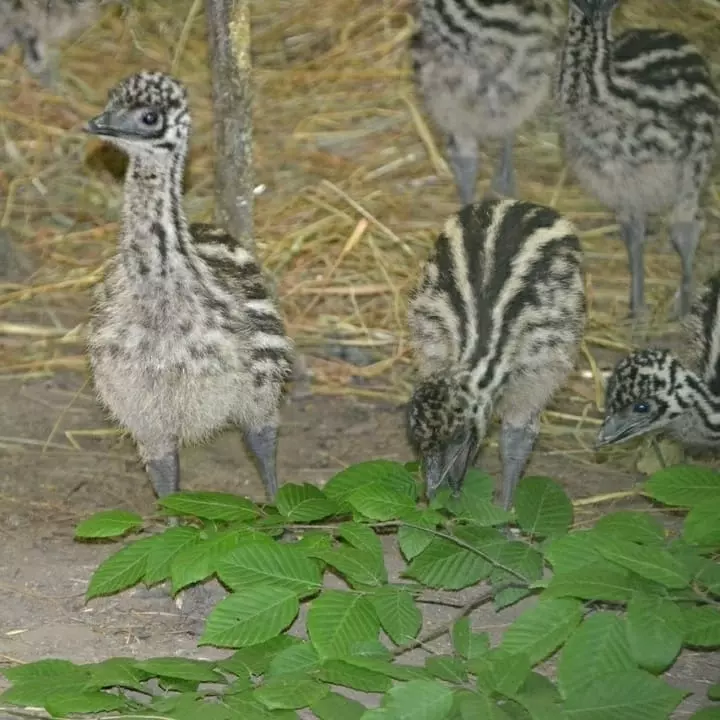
(503, 274)
(495, 325)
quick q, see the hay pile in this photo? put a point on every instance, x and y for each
(355, 187)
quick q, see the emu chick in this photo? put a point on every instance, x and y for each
(495, 323)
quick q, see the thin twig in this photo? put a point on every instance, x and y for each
(464, 611)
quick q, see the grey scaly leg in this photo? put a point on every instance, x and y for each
(262, 442)
(685, 237)
(464, 163)
(165, 473)
(516, 444)
(503, 181)
(632, 231)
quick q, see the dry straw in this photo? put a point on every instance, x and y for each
(355, 186)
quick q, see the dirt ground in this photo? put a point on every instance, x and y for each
(47, 486)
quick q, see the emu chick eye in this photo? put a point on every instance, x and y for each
(149, 117)
(641, 407)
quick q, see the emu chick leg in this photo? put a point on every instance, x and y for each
(165, 473)
(516, 444)
(632, 230)
(262, 442)
(685, 237)
(503, 182)
(464, 162)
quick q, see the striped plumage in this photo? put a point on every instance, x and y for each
(640, 114)
(185, 336)
(655, 390)
(38, 24)
(495, 324)
(482, 67)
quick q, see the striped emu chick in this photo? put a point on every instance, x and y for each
(639, 113)
(36, 25)
(185, 337)
(654, 390)
(495, 323)
(483, 67)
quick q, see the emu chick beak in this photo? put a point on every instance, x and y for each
(618, 427)
(450, 463)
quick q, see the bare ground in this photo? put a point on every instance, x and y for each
(48, 486)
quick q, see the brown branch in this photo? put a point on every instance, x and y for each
(472, 604)
(228, 23)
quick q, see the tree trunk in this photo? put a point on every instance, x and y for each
(228, 23)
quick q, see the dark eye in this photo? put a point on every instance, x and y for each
(641, 407)
(149, 117)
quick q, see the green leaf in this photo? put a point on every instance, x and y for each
(337, 707)
(304, 503)
(210, 506)
(524, 559)
(539, 631)
(708, 575)
(181, 668)
(701, 524)
(475, 502)
(629, 695)
(200, 560)
(714, 692)
(574, 551)
(413, 540)
(336, 620)
(163, 553)
(631, 525)
(289, 692)
(256, 659)
(419, 700)
(362, 537)
(447, 667)
(378, 502)
(35, 682)
(300, 657)
(702, 626)
(710, 713)
(107, 524)
(246, 706)
(655, 630)
(598, 647)
(48, 669)
(501, 671)
(340, 672)
(313, 540)
(93, 701)
(598, 580)
(461, 637)
(122, 570)
(445, 564)
(270, 563)
(251, 616)
(117, 672)
(376, 473)
(398, 614)
(475, 706)
(684, 486)
(539, 697)
(396, 671)
(358, 567)
(542, 508)
(653, 563)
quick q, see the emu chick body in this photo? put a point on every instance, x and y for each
(495, 324)
(37, 25)
(185, 336)
(639, 114)
(482, 69)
